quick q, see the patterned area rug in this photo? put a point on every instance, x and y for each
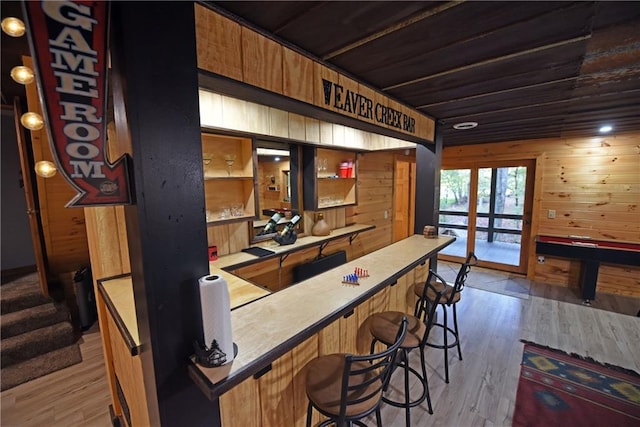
(558, 389)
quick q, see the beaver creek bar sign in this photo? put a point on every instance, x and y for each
(69, 43)
(352, 102)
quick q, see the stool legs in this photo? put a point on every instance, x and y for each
(408, 404)
(445, 338)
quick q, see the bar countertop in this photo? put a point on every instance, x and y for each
(118, 291)
(268, 328)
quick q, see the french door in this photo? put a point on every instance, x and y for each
(487, 207)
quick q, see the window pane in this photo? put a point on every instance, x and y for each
(484, 189)
(454, 190)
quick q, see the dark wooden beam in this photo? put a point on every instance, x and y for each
(166, 227)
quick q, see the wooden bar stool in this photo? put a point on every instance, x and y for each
(346, 387)
(435, 291)
(382, 327)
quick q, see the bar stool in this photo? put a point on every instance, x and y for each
(382, 327)
(435, 291)
(346, 387)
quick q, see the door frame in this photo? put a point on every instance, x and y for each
(527, 233)
(33, 210)
(410, 214)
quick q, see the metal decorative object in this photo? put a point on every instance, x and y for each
(209, 357)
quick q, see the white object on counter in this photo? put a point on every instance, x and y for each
(216, 313)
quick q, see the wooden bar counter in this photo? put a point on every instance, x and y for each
(278, 334)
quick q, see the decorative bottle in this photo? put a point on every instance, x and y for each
(291, 225)
(320, 228)
(271, 225)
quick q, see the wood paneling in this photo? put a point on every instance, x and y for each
(218, 38)
(297, 70)
(233, 50)
(63, 229)
(593, 184)
(128, 370)
(261, 61)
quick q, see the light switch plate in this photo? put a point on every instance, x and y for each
(551, 213)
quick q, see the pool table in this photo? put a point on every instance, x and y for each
(591, 253)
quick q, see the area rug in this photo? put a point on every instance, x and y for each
(559, 389)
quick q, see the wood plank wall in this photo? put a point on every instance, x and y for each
(593, 184)
(63, 228)
(278, 397)
(230, 49)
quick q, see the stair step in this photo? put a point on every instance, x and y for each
(33, 343)
(19, 322)
(39, 366)
(21, 294)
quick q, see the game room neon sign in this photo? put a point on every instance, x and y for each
(69, 43)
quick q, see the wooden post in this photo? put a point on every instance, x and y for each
(154, 52)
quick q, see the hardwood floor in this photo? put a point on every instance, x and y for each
(482, 387)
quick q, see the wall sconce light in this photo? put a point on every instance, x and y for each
(45, 169)
(21, 74)
(206, 158)
(32, 121)
(13, 27)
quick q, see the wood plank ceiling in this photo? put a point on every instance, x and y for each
(521, 70)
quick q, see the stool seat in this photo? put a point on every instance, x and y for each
(384, 327)
(324, 384)
(418, 289)
(348, 387)
(436, 292)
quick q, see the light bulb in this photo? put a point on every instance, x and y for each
(32, 121)
(13, 27)
(21, 74)
(45, 169)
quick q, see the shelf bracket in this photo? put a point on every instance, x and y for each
(353, 236)
(322, 246)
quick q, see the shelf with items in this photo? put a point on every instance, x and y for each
(228, 166)
(227, 156)
(329, 178)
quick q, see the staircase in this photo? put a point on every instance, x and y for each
(37, 336)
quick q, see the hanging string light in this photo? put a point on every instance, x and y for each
(13, 27)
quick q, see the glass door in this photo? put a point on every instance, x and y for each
(495, 219)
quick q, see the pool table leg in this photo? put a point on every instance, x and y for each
(588, 279)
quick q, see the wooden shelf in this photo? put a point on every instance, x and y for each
(229, 188)
(323, 186)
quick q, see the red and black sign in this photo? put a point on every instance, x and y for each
(69, 43)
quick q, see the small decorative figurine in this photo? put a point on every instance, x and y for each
(209, 357)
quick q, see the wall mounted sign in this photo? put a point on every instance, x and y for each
(349, 101)
(69, 44)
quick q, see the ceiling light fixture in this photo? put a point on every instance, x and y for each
(606, 129)
(21, 74)
(45, 169)
(465, 125)
(13, 27)
(32, 121)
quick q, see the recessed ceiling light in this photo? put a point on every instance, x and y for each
(465, 125)
(606, 128)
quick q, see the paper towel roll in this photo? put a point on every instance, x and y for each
(216, 313)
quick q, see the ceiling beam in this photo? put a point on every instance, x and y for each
(542, 104)
(392, 28)
(498, 92)
(490, 61)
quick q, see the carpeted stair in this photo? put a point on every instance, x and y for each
(37, 335)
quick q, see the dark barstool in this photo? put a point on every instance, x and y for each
(382, 327)
(347, 387)
(435, 291)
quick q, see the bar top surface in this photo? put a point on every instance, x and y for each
(269, 327)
